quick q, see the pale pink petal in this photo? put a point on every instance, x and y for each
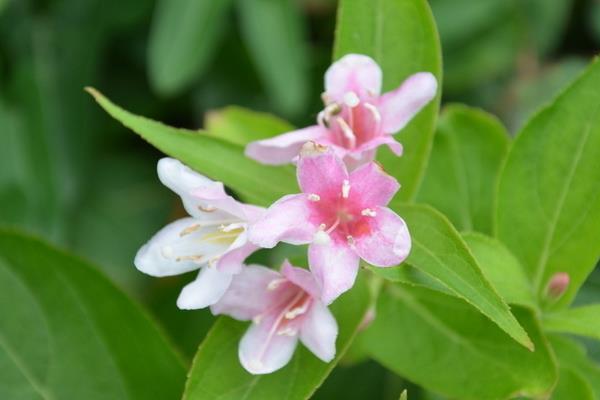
(248, 293)
(213, 197)
(283, 148)
(263, 351)
(334, 267)
(207, 289)
(388, 140)
(287, 220)
(372, 186)
(319, 331)
(399, 106)
(253, 213)
(232, 262)
(389, 242)
(353, 73)
(320, 171)
(302, 278)
(154, 258)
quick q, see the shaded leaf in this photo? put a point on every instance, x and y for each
(583, 321)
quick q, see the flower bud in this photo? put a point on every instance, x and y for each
(557, 286)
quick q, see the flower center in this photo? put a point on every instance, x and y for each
(351, 122)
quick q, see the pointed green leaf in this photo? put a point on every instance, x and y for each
(66, 332)
(241, 126)
(467, 153)
(548, 208)
(217, 159)
(572, 355)
(439, 251)
(274, 34)
(583, 321)
(445, 345)
(401, 36)
(217, 374)
(183, 38)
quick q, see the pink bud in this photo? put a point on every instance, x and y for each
(558, 285)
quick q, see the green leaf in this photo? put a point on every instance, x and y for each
(274, 33)
(445, 345)
(548, 208)
(572, 355)
(404, 395)
(241, 126)
(468, 150)
(401, 36)
(546, 21)
(584, 321)
(183, 38)
(66, 332)
(219, 160)
(439, 251)
(572, 385)
(217, 374)
(501, 267)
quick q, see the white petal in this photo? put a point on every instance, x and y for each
(262, 351)
(205, 290)
(319, 331)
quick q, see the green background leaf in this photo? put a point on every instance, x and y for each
(401, 36)
(583, 321)
(467, 153)
(217, 374)
(548, 209)
(67, 333)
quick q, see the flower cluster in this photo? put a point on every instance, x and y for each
(340, 214)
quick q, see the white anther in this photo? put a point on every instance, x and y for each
(231, 227)
(314, 197)
(294, 312)
(321, 237)
(212, 263)
(345, 189)
(350, 240)
(367, 212)
(351, 99)
(207, 208)
(167, 251)
(189, 230)
(274, 284)
(374, 111)
(287, 331)
(257, 319)
(347, 131)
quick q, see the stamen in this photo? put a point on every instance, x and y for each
(257, 319)
(314, 197)
(294, 312)
(345, 189)
(350, 240)
(212, 263)
(321, 120)
(332, 227)
(347, 131)
(351, 99)
(287, 331)
(195, 258)
(311, 148)
(374, 111)
(232, 226)
(367, 212)
(325, 97)
(274, 284)
(189, 229)
(207, 208)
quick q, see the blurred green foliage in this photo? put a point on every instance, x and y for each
(71, 174)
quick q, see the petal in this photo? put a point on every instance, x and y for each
(284, 148)
(353, 73)
(399, 106)
(248, 294)
(320, 171)
(319, 331)
(263, 351)
(388, 243)
(286, 220)
(205, 290)
(388, 140)
(151, 259)
(302, 278)
(334, 267)
(371, 186)
(232, 262)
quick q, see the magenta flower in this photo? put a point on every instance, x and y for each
(343, 216)
(356, 119)
(283, 307)
(213, 239)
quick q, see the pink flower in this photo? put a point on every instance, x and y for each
(356, 119)
(213, 239)
(283, 307)
(343, 217)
